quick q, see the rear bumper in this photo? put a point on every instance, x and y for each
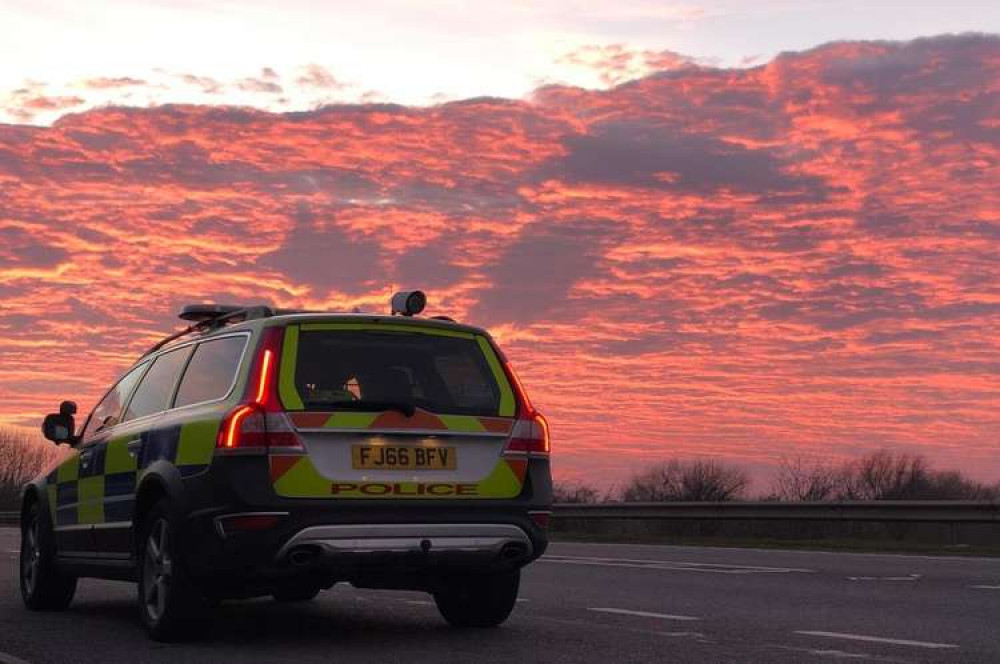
(456, 543)
(356, 540)
(378, 547)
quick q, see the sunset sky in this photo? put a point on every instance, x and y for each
(720, 229)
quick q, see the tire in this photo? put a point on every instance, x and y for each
(170, 604)
(296, 593)
(43, 587)
(479, 601)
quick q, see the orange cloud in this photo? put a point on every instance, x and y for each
(316, 76)
(617, 63)
(106, 82)
(755, 263)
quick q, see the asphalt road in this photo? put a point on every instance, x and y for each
(581, 603)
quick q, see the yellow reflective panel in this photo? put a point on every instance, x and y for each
(197, 443)
(507, 404)
(290, 397)
(69, 470)
(117, 459)
(90, 493)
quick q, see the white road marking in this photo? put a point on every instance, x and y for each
(424, 602)
(842, 654)
(878, 639)
(789, 552)
(911, 577)
(619, 628)
(982, 587)
(10, 659)
(671, 565)
(644, 614)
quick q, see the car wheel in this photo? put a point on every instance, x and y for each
(478, 601)
(170, 604)
(43, 587)
(296, 593)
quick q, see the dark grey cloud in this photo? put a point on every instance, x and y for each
(19, 246)
(535, 272)
(429, 266)
(318, 253)
(643, 155)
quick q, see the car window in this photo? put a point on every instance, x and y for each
(157, 387)
(438, 373)
(212, 370)
(108, 411)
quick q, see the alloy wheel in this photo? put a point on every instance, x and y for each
(157, 570)
(31, 557)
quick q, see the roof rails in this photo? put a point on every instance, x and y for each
(207, 317)
(202, 312)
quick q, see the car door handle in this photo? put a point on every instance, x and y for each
(133, 446)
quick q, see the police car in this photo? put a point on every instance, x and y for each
(277, 452)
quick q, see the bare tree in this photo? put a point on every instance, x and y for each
(698, 480)
(801, 480)
(884, 475)
(571, 492)
(22, 457)
(952, 485)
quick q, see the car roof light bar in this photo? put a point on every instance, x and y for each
(209, 317)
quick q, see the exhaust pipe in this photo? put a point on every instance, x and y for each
(302, 556)
(512, 551)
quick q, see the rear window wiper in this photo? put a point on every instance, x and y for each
(407, 409)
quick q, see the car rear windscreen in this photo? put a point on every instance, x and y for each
(442, 374)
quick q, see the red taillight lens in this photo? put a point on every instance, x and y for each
(241, 523)
(541, 519)
(530, 435)
(524, 403)
(265, 377)
(531, 430)
(242, 427)
(260, 421)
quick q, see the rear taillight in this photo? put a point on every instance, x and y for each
(259, 422)
(232, 524)
(531, 430)
(530, 434)
(541, 518)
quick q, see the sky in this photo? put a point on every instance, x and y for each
(698, 229)
(65, 55)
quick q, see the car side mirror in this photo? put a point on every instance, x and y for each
(59, 427)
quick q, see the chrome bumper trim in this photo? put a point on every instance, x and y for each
(470, 538)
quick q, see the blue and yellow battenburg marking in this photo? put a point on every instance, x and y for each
(102, 490)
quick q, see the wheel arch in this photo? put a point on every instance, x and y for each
(161, 480)
(32, 494)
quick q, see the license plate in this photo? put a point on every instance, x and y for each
(399, 457)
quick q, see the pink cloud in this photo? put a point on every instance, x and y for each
(748, 263)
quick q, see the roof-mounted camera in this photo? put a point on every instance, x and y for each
(408, 303)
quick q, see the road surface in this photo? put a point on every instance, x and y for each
(581, 603)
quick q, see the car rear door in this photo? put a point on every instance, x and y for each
(133, 441)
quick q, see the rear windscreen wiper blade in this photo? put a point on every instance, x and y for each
(407, 409)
